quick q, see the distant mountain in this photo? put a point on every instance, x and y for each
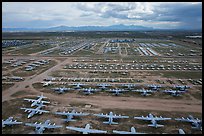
(119, 27)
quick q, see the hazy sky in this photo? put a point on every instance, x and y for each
(150, 14)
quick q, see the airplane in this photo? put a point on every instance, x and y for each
(153, 120)
(16, 78)
(39, 127)
(103, 85)
(154, 87)
(47, 83)
(181, 131)
(10, 122)
(182, 87)
(39, 100)
(174, 92)
(37, 110)
(86, 130)
(71, 114)
(61, 89)
(132, 131)
(196, 123)
(117, 91)
(78, 85)
(89, 90)
(143, 91)
(129, 86)
(110, 117)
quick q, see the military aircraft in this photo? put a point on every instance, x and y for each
(47, 83)
(117, 91)
(154, 87)
(78, 85)
(70, 115)
(182, 87)
(10, 121)
(103, 85)
(61, 89)
(39, 127)
(38, 101)
(86, 130)
(143, 91)
(153, 120)
(37, 110)
(181, 131)
(196, 123)
(132, 131)
(110, 117)
(129, 86)
(174, 92)
(89, 90)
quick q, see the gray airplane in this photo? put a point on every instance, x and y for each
(38, 101)
(174, 92)
(89, 90)
(10, 121)
(143, 91)
(181, 131)
(196, 123)
(47, 83)
(70, 115)
(153, 120)
(103, 86)
(87, 130)
(132, 131)
(129, 86)
(61, 89)
(78, 85)
(110, 117)
(182, 87)
(154, 87)
(39, 127)
(117, 91)
(37, 110)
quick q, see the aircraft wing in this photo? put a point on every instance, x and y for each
(62, 113)
(121, 132)
(40, 111)
(44, 101)
(96, 131)
(30, 100)
(12, 122)
(52, 126)
(143, 118)
(117, 116)
(102, 115)
(161, 118)
(80, 114)
(183, 119)
(76, 129)
(32, 124)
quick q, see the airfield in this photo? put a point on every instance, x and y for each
(92, 58)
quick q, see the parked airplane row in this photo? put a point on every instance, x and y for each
(40, 127)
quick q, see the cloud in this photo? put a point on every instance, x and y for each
(151, 14)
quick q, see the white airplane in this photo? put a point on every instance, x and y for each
(181, 131)
(37, 110)
(129, 86)
(110, 117)
(174, 92)
(38, 101)
(154, 87)
(86, 130)
(182, 87)
(10, 121)
(89, 90)
(153, 120)
(132, 131)
(78, 85)
(47, 83)
(70, 115)
(117, 91)
(103, 85)
(196, 123)
(61, 89)
(39, 127)
(143, 91)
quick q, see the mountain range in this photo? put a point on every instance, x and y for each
(119, 27)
